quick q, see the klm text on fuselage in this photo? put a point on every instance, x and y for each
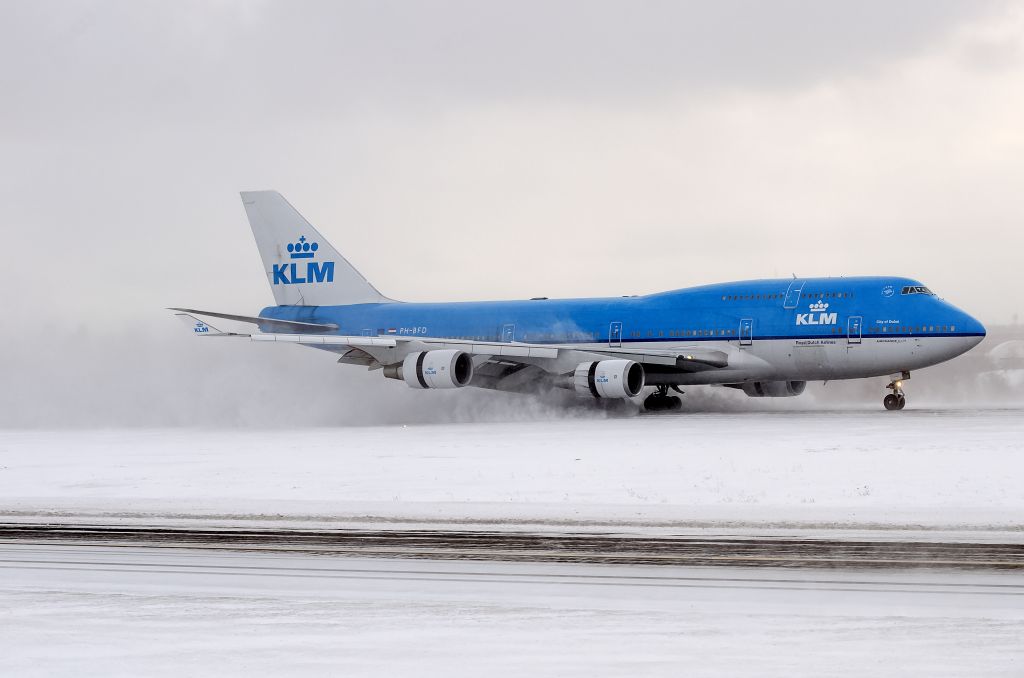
(816, 318)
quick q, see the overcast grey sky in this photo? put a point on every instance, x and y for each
(473, 150)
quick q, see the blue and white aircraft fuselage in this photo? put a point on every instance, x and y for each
(768, 337)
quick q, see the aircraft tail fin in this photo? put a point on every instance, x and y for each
(303, 269)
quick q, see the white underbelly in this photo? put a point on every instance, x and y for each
(825, 359)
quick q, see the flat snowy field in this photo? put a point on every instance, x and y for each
(88, 611)
(934, 469)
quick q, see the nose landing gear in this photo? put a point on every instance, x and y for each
(661, 401)
(896, 400)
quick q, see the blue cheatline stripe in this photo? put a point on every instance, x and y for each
(662, 340)
(756, 338)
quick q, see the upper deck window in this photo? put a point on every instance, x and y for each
(916, 289)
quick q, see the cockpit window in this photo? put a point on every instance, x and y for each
(916, 289)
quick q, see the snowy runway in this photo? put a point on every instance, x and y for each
(126, 611)
(923, 476)
(954, 470)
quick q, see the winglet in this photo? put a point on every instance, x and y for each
(204, 329)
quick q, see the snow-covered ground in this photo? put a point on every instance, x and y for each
(87, 611)
(955, 469)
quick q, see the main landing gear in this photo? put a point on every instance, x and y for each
(661, 401)
(896, 400)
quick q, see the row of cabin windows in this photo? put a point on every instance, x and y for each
(902, 329)
(912, 329)
(828, 295)
(534, 336)
(752, 297)
(877, 329)
(580, 336)
(684, 333)
(772, 297)
(558, 336)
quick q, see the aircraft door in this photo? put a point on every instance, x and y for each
(854, 329)
(368, 333)
(793, 294)
(508, 333)
(615, 335)
(746, 332)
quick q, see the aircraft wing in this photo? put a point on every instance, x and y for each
(686, 359)
(682, 358)
(509, 351)
(471, 347)
(383, 349)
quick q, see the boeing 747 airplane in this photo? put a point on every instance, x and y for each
(766, 337)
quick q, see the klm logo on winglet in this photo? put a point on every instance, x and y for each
(294, 273)
(818, 316)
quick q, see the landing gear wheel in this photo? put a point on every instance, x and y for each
(896, 400)
(657, 402)
(661, 401)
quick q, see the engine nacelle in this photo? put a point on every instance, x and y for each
(774, 389)
(448, 368)
(609, 379)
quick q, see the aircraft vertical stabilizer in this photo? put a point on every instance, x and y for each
(303, 269)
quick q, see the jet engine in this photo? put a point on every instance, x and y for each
(774, 389)
(609, 379)
(447, 368)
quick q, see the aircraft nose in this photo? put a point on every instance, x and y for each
(971, 327)
(974, 325)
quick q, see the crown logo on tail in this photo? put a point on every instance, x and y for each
(302, 249)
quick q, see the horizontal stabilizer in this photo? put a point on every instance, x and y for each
(266, 324)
